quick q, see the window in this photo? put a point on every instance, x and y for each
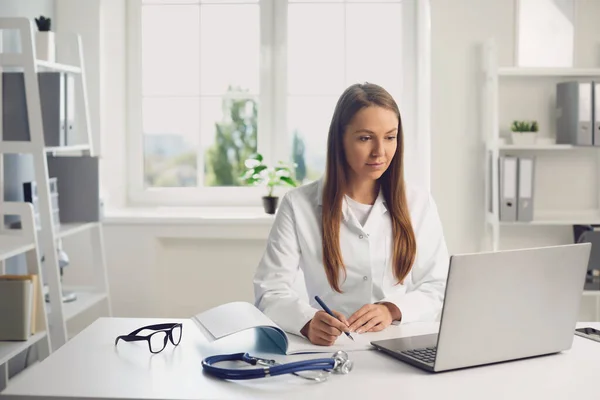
(213, 81)
(347, 42)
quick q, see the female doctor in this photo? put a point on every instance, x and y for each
(371, 248)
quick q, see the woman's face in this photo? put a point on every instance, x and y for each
(370, 142)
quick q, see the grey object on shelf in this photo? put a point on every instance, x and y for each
(78, 187)
(16, 124)
(53, 90)
(590, 234)
(574, 107)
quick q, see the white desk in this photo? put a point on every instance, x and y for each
(89, 366)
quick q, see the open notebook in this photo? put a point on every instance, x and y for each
(230, 318)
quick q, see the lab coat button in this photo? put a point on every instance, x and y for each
(365, 278)
(360, 236)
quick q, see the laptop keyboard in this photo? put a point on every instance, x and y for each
(426, 355)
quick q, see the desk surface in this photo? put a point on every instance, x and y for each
(90, 366)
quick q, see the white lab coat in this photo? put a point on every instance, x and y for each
(295, 242)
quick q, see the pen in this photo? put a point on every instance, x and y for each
(328, 311)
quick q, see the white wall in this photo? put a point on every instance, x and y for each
(113, 102)
(82, 17)
(179, 270)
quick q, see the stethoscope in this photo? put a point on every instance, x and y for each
(338, 363)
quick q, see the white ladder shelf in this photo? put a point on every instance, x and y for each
(58, 312)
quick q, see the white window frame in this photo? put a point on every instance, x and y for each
(272, 107)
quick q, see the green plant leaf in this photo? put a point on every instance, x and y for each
(288, 180)
(534, 126)
(259, 169)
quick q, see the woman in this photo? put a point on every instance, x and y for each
(370, 248)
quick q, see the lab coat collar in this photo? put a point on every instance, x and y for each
(379, 207)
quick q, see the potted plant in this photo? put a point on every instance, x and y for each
(524, 132)
(258, 173)
(44, 40)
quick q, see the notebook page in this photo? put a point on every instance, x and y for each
(231, 318)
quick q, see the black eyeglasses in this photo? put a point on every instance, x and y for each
(157, 341)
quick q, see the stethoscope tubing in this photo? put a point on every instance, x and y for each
(254, 373)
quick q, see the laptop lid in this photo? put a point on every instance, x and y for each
(511, 304)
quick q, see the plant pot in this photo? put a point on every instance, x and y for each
(270, 204)
(523, 138)
(45, 48)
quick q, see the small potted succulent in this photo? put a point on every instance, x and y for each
(524, 132)
(257, 173)
(44, 40)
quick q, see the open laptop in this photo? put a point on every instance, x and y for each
(502, 306)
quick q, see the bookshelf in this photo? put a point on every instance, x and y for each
(494, 77)
(81, 146)
(495, 147)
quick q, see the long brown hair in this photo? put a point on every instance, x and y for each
(355, 98)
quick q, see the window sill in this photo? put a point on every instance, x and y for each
(188, 216)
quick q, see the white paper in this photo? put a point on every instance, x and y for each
(231, 318)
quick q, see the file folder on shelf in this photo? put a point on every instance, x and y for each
(526, 167)
(508, 188)
(574, 106)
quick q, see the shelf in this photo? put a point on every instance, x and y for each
(13, 245)
(17, 60)
(9, 349)
(71, 229)
(25, 147)
(548, 72)
(591, 293)
(544, 147)
(557, 219)
(50, 66)
(86, 299)
(68, 149)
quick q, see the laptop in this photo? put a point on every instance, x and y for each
(501, 306)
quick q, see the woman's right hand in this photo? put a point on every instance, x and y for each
(323, 329)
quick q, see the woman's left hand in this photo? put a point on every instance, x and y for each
(373, 317)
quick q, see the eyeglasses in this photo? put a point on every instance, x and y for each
(157, 341)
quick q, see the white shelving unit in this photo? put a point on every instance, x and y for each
(15, 242)
(493, 75)
(495, 147)
(49, 234)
